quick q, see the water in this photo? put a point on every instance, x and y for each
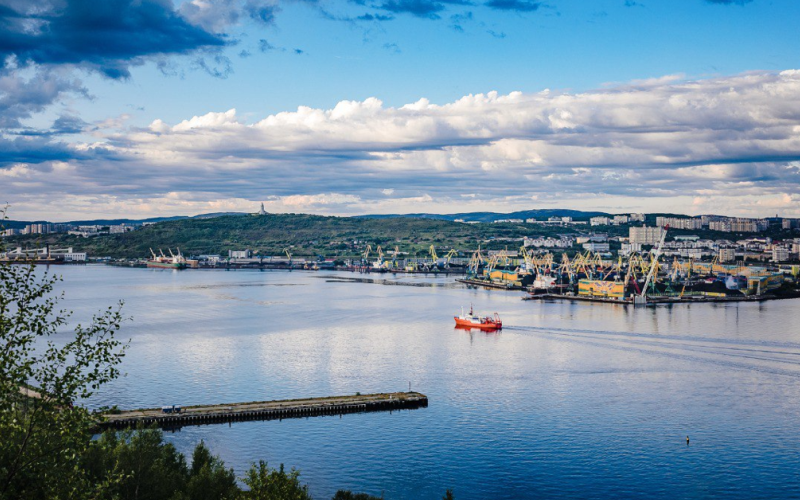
(569, 400)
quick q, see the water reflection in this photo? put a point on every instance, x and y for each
(571, 400)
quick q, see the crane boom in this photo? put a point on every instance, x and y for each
(654, 261)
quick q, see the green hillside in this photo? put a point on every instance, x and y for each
(308, 235)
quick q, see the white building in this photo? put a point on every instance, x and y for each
(597, 247)
(629, 248)
(727, 254)
(620, 219)
(780, 254)
(122, 228)
(645, 235)
(599, 221)
(74, 256)
(240, 254)
(679, 222)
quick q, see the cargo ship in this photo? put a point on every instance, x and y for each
(470, 320)
(164, 262)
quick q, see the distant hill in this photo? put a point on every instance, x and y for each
(19, 224)
(301, 234)
(540, 214)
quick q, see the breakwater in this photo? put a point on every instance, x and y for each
(169, 417)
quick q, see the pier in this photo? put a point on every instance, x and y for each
(657, 300)
(263, 410)
(489, 284)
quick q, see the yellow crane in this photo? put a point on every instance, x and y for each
(475, 262)
(380, 256)
(452, 253)
(289, 255)
(366, 253)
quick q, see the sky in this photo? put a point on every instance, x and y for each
(146, 108)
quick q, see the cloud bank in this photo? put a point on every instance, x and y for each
(717, 144)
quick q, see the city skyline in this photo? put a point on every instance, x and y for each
(348, 108)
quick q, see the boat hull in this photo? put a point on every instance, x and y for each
(488, 325)
(166, 265)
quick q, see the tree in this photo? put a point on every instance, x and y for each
(136, 465)
(43, 432)
(266, 483)
(208, 477)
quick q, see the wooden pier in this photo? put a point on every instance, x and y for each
(264, 410)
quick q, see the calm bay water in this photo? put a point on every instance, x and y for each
(568, 401)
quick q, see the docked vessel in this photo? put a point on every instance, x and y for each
(470, 320)
(163, 262)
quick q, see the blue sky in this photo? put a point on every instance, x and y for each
(651, 105)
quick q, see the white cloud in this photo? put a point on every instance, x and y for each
(642, 144)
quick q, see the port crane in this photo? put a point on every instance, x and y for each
(366, 253)
(655, 254)
(289, 256)
(452, 253)
(380, 262)
(475, 262)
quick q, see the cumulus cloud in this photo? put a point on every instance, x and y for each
(667, 138)
(217, 15)
(21, 97)
(107, 36)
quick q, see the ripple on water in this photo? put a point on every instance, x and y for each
(570, 401)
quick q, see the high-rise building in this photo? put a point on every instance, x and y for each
(780, 254)
(679, 222)
(727, 254)
(644, 235)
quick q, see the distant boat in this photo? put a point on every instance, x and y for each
(164, 262)
(470, 320)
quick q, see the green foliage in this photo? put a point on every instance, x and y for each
(265, 483)
(208, 477)
(43, 432)
(139, 465)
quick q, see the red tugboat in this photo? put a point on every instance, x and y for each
(482, 322)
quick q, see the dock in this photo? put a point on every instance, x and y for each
(263, 410)
(489, 284)
(652, 301)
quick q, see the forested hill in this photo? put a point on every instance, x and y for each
(270, 234)
(540, 214)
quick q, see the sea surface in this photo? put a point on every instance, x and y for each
(568, 401)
